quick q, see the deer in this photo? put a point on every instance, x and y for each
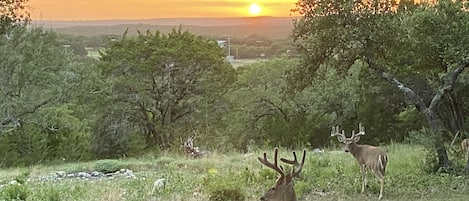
(465, 147)
(368, 157)
(283, 188)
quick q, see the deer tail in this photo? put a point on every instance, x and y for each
(382, 161)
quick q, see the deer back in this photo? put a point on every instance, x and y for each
(370, 156)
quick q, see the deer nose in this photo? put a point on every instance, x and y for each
(346, 150)
(262, 198)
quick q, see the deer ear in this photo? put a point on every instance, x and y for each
(356, 139)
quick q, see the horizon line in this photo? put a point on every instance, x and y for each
(136, 19)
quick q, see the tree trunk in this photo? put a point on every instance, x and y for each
(436, 128)
(434, 121)
(443, 161)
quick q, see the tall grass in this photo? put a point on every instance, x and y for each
(333, 175)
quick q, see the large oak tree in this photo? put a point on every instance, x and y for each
(162, 78)
(397, 42)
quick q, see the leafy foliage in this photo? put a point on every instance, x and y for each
(161, 79)
(107, 166)
(394, 42)
(14, 192)
(12, 13)
(38, 78)
(111, 134)
(226, 194)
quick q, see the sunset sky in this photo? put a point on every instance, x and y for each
(146, 9)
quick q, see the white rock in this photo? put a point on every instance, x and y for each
(159, 183)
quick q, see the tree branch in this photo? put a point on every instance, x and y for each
(32, 110)
(408, 92)
(448, 84)
(276, 107)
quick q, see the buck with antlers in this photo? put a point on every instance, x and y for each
(368, 157)
(283, 189)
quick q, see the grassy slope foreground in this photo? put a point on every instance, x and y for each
(330, 176)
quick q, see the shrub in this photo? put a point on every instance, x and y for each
(226, 195)
(14, 192)
(227, 186)
(107, 166)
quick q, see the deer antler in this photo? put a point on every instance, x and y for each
(361, 131)
(298, 166)
(335, 132)
(274, 165)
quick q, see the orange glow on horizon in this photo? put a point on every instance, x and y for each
(147, 9)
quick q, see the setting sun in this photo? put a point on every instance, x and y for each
(255, 9)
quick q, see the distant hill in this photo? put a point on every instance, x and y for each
(274, 27)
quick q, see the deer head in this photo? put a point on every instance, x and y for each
(283, 188)
(348, 141)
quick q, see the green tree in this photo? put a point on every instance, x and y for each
(32, 61)
(161, 79)
(258, 101)
(37, 77)
(12, 13)
(264, 112)
(394, 41)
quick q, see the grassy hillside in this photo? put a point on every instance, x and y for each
(333, 175)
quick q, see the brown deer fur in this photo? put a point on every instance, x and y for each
(368, 157)
(283, 189)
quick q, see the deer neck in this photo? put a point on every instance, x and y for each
(356, 150)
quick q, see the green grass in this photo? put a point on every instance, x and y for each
(331, 176)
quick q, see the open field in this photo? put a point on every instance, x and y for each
(241, 62)
(332, 176)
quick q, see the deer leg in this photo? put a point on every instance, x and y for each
(365, 178)
(364, 181)
(381, 190)
(381, 180)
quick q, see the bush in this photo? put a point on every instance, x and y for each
(14, 192)
(227, 186)
(226, 195)
(107, 166)
(23, 177)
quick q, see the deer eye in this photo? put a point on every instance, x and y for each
(272, 189)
